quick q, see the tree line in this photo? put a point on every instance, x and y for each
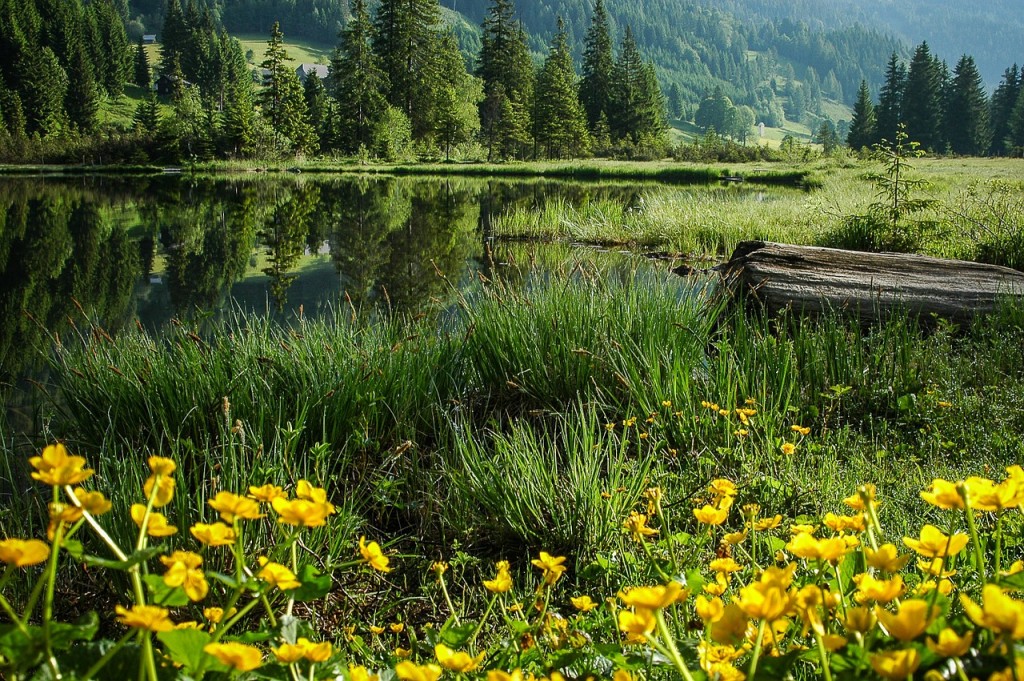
(943, 111)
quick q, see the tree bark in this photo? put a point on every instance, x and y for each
(811, 279)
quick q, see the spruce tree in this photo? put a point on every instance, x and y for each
(357, 82)
(889, 112)
(272, 97)
(966, 115)
(862, 127)
(82, 99)
(405, 39)
(321, 110)
(505, 68)
(1003, 100)
(637, 105)
(456, 98)
(561, 122)
(173, 38)
(922, 100)
(1016, 125)
(675, 101)
(147, 115)
(142, 73)
(598, 64)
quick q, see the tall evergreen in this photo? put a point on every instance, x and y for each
(82, 98)
(283, 100)
(1016, 125)
(598, 64)
(889, 112)
(496, 51)
(173, 38)
(966, 115)
(143, 76)
(277, 70)
(675, 101)
(456, 98)
(357, 82)
(405, 39)
(862, 126)
(322, 110)
(922, 100)
(637, 105)
(506, 70)
(561, 123)
(1003, 100)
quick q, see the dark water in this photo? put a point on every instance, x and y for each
(119, 252)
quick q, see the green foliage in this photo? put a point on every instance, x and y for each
(862, 127)
(966, 114)
(357, 83)
(559, 118)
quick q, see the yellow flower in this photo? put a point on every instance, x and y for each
(502, 582)
(93, 503)
(61, 513)
(301, 512)
(636, 525)
(277, 575)
(734, 538)
(439, 567)
(373, 556)
(57, 468)
(943, 494)
(636, 624)
(652, 597)
(551, 565)
(787, 448)
(886, 558)
(23, 552)
(238, 656)
(290, 653)
(724, 565)
(376, 630)
(305, 490)
(410, 671)
(718, 587)
(856, 501)
(896, 665)
(183, 570)
(806, 546)
(267, 493)
(998, 612)
(359, 673)
(860, 620)
(456, 661)
(403, 653)
(709, 610)
(844, 523)
(217, 534)
(722, 487)
(764, 524)
(802, 529)
(950, 644)
(164, 489)
(233, 506)
(731, 627)
(709, 515)
(148, 617)
(709, 405)
(583, 603)
(157, 525)
(878, 590)
(934, 544)
(909, 622)
(986, 495)
(161, 465)
(802, 430)
(768, 598)
(215, 615)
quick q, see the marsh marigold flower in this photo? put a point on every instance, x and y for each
(896, 665)
(93, 503)
(859, 620)
(238, 656)
(551, 565)
(801, 430)
(769, 598)
(856, 500)
(950, 644)
(160, 484)
(636, 624)
(410, 671)
(806, 546)
(373, 556)
(909, 622)
(289, 653)
(998, 612)
(788, 448)
(878, 590)
(148, 617)
(158, 526)
(652, 597)
(943, 494)
(886, 558)
(23, 552)
(934, 544)
(301, 512)
(845, 523)
(764, 524)
(457, 661)
(267, 493)
(502, 581)
(57, 468)
(277, 575)
(360, 673)
(216, 534)
(710, 515)
(233, 506)
(183, 570)
(583, 603)
(636, 525)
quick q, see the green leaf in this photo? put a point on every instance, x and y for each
(314, 585)
(62, 635)
(163, 595)
(24, 651)
(134, 559)
(73, 547)
(185, 646)
(456, 636)
(227, 580)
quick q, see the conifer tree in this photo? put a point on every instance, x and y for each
(272, 97)
(142, 72)
(405, 39)
(598, 64)
(173, 38)
(966, 115)
(889, 112)
(560, 120)
(1003, 100)
(456, 99)
(357, 82)
(321, 111)
(147, 115)
(675, 101)
(922, 100)
(862, 127)
(45, 85)
(1016, 125)
(82, 99)
(637, 105)
(507, 74)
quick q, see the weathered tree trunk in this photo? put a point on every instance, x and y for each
(811, 279)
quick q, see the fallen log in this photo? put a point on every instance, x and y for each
(811, 279)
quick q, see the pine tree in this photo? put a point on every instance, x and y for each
(506, 71)
(889, 112)
(1016, 125)
(142, 73)
(1003, 99)
(560, 120)
(321, 109)
(272, 97)
(173, 38)
(147, 115)
(862, 127)
(598, 64)
(405, 39)
(457, 95)
(637, 105)
(82, 99)
(45, 85)
(357, 82)
(966, 114)
(922, 100)
(675, 101)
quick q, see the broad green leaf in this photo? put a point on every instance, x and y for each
(163, 595)
(455, 636)
(314, 585)
(62, 635)
(185, 646)
(134, 559)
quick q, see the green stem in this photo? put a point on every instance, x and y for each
(650, 558)
(22, 626)
(147, 655)
(295, 570)
(999, 544)
(757, 649)
(823, 655)
(51, 585)
(979, 558)
(479, 627)
(107, 656)
(670, 646)
(667, 534)
(448, 599)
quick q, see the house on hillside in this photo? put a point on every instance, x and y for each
(304, 71)
(164, 85)
(149, 39)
